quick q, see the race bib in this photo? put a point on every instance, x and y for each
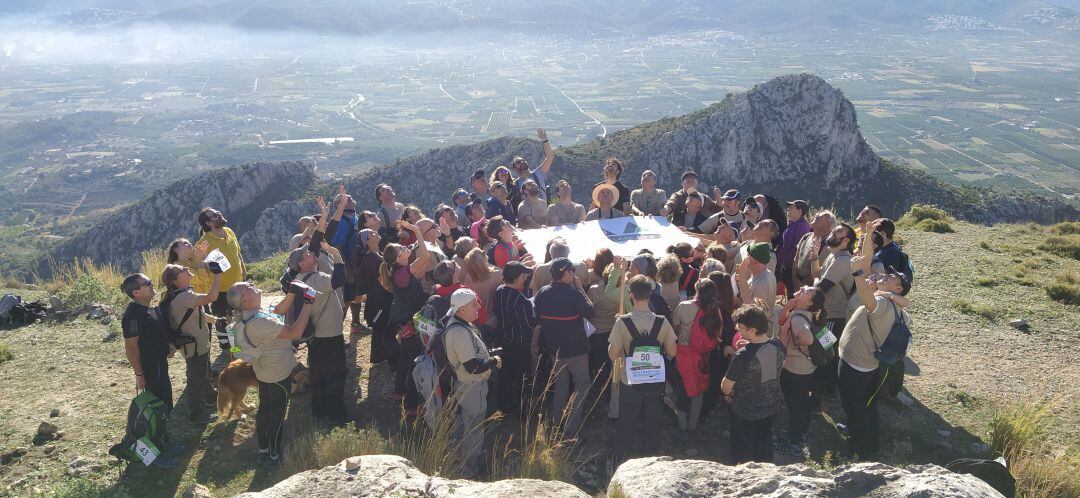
(219, 258)
(146, 450)
(425, 326)
(825, 337)
(645, 366)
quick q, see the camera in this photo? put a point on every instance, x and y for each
(495, 351)
(182, 340)
(304, 290)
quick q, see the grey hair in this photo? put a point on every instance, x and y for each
(830, 215)
(710, 265)
(235, 295)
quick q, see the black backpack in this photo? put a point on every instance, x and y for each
(894, 347)
(176, 334)
(647, 341)
(819, 355)
(294, 313)
(991, 472)
(388, 234)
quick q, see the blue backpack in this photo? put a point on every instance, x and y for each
(894, 347)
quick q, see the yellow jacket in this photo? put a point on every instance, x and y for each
(230, 247)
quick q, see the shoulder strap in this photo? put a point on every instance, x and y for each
(630, 327)
(656, 325)
(792, 334)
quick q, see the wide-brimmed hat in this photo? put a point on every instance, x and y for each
(602, 187)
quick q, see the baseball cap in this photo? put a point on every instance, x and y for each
(459, 299)
(559, 267)
(513, 270)
(731, 194)
(460, 192)
(689, 174)
(905, 281)
(760, 251)
(296, 255)
(800, 205)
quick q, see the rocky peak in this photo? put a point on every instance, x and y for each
(241, 192)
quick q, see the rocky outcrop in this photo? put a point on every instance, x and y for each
(663, 476)
(275, 226)
(390, 475)
(241, 192)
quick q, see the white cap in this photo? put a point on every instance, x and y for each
(459, 299)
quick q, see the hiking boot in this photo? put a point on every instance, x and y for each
(788, 448)
(164, 462)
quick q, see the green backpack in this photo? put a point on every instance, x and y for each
(144, 438)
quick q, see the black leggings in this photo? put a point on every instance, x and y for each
(326, 361)
(270, 419)
(796, 389)
(156, 374)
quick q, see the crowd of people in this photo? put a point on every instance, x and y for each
(774, 309)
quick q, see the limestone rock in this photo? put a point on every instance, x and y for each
(390, 475)
(275, 226)
(697, 478)
(55, 412)
(80, 466)
(241, 192)
(46, 429)
(194, 490)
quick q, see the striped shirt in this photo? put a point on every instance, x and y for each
(515, 314)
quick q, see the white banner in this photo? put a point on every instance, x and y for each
(625, 237)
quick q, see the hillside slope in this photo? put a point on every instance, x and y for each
(241, 192)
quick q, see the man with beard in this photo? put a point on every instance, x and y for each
(835, 280)
(729, 209)
(218, 236)
(676, 204)
(809, 249)
(538, 175)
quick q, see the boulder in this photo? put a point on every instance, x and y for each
(80, 466)
(46, 429)
(194, 490)
(664, 476)
(391, 475)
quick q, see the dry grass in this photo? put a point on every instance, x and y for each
(1018, 432)
(85, 282)
(313, 449)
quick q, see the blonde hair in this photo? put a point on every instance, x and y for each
(668, 269)
(476, 265)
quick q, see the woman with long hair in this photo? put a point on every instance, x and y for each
(402, 278)
(803, 314)
(483, 279)
(513, 193)
(379, 298)
(720, 357)
(605, 297)
(698, 325)
(185, 312)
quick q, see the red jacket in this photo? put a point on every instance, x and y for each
(692, 360)
(445, 291)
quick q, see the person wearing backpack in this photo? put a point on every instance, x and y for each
(402, 277)
(472, 364)
(179, 305)
(640, 339)
(752, 386)
(802, 317)
(148, 349)
(326, 348)
(268, 344)
(833, 278)
(862, 373)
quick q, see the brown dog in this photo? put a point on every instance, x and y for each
(238, 376)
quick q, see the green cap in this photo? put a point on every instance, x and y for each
(760, 251)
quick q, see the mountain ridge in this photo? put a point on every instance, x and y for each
(794, 136)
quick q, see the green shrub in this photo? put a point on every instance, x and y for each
(90, 288)
(266, 273)
(1064, 293)
(311, 449)
(977, 309)
(985, 282)
(1065, 246)
(921, 212)
(935, 226)
(1066, 228)
(5, 353)
(1018, 429)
